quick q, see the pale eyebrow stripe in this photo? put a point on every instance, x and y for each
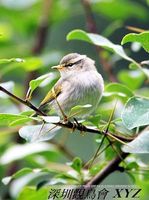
(74, 61)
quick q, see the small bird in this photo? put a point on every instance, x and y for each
(79, 84)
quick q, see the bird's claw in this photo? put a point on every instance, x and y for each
(79, 126)
(65, 118)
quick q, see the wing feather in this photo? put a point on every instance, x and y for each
(52, 94)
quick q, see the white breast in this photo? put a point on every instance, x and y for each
(84, 88)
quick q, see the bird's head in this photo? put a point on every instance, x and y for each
(74, 63)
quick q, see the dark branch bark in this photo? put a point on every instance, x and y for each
(68, 124)
(91, 26)
(90, 21)
(26, 103)
(111, 167)
(42, 29)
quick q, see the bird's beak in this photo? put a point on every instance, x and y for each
(59, 67)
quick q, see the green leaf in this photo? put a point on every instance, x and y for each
(80, 109)
(121, 9)
(20, 121)
(139, 145)
(32, 63)
(96, 168)
(128, 77)
(22, 172)
(76, 164)
(6, 32)
(27, 112)
(132, 165)
(95, 119)
(8, 119)
(142, 38)
(99, 41)
(36, 82)
(18, 174)
(20, 151)
(136, 65)
(136, 113)
(119, 90)
(34, 133)
(5, 61)
(143, 184)
(65, 177)
(31, 193)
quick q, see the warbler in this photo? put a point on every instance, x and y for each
(79, 84)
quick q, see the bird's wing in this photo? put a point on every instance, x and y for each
(52, 94)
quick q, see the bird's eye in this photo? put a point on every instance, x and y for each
(70, 65)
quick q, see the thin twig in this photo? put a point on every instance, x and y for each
(135, 29)
(111, 167)
(115, 149)
(96, 153)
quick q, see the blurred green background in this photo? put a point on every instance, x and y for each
(35, 30)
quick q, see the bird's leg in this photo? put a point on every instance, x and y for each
(79, 126)
(35, 137)
(65, 118)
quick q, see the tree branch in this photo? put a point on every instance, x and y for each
(26, 103)
(68, 124)
(111, 167)
(43, 27)
(91, 26)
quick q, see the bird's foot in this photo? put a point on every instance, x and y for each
(79, 126)
(65, 118)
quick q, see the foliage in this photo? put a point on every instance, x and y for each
(36, 152)
(141, 38)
